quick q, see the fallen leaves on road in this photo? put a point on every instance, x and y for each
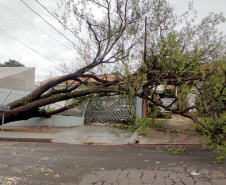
(194, 173)
(9, 180)
(171, 164)
(2, 166)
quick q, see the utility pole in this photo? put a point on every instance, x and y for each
(145, 101)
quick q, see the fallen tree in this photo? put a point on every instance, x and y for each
(116, 37)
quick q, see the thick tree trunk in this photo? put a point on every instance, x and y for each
(31, 109)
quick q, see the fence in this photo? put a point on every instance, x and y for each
(112, 108)
(115, 108)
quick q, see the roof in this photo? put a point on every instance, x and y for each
(7, 71)
(104, 77)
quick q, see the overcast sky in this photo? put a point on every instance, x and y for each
(21, 30)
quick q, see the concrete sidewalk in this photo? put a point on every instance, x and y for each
(86, 134)
(106, 135)
(177, 133)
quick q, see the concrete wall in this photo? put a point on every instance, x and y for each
(23, 80)
(14, 95)
(138, 108)
(56, 120)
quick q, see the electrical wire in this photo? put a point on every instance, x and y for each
(56, 29)
(65, 26)
(37, 28)
(28, 46)
(50, 24)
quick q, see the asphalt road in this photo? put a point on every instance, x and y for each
(64, 164)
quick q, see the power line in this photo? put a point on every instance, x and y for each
(54, 27)
(36, 27)
(50, 24)
(64, 25)
(28, 46)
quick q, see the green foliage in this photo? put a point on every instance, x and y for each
(212, 109)
(168, 93)
(114, 132)
(12, 63)
(157, 125)
(219, 160)
(221, 151)
(166, 115)
(88, 143)
(151, 122)
(145, 123)
(173, 150)
(143, 129)
(178, 50)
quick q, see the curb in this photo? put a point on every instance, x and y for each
(44, 140)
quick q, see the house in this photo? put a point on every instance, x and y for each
(17, 78)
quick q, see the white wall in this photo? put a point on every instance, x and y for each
(23, 81)
(55, 120)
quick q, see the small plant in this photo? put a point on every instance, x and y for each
(173, 150)
(221, 150)
(157, 125)
(143, 130)
(167, 131)
(143, 126)
(177, 130)
(182, 117)
(192, 127)
(158, 148)
(166, 116)
(176, 150)
(117, 134)
(114, 131)
(88, 143)
(145, 123)
(219, 160)
(133, 128)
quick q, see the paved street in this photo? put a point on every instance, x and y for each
(64, 164)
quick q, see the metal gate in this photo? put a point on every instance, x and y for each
(114, 108)
(110, 108)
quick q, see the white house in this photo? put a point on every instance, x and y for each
(17, 78)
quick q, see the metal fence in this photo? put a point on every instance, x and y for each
(78, 111)
(111, 108)
(116, 108)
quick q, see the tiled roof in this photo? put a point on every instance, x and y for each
(108, 78)
(7, 71)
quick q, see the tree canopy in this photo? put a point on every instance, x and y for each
(12, 63)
